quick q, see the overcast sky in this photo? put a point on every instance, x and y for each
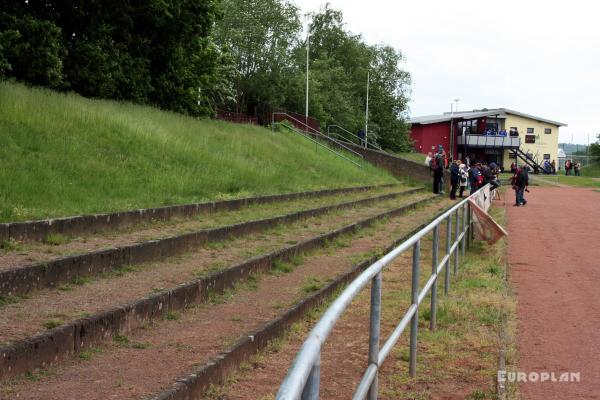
(537, 57)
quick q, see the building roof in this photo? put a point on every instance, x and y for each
(492, 112)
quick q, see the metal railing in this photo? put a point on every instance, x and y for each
(303, 378)
(317, 143)
(360, 141)
(315, 132)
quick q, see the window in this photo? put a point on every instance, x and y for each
(470, 127)
(529, 138)
(529, 130)
(514, 131)
(546, 156)
(548, 131)
(512, 155)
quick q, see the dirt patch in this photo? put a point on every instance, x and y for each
(554, 253)
(155, 357)
(30, 253)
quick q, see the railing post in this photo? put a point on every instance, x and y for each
(415, 300)
(456, 233)
(311, 389)
(464, 230)
(447, 266)
(374, 331)
(471, 230)
(434, 265)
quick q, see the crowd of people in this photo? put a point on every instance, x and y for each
(471, 177)
(572, 168)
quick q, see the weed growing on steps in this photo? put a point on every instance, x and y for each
(12, 245)
(8, 299)
(55, 239)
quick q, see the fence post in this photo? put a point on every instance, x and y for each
(471, 230)
(434, 265)
(456, 233)
(374, 331)
(415, 300)
(447, 266)
(463, 244)
(311, 389)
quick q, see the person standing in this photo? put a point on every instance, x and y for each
(577, 168)
(474, 178)
(454, 178)
(361, 137)
(437, 166)
(568, 166)
(520, 181)
(428, 159)
(464, 179)
(553, 165)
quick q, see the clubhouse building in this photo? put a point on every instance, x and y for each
(495, 135)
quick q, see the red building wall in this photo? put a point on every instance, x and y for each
(431, 135)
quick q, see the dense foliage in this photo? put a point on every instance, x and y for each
(595, 149)
(195, 56)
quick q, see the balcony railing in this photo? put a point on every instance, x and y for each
(504, 142)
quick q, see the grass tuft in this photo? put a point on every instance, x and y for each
(55, 239)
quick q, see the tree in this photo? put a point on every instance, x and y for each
(339, 68)
(260, 36)
(147, 51)
(31, 49)
(595, 149)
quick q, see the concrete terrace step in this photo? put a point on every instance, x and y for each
(43, 348)
(22, 280)
(93, 223)
(152, 359)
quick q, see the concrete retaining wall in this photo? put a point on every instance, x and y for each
(400, 167)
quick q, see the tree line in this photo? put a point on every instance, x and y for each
(198, 56)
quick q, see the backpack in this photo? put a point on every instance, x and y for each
(479, 180)
(433, 164)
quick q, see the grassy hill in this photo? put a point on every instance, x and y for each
(62, 154)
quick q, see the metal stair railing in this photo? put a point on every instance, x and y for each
(528, 160)
(373, 145)
(315, 132)
(316, 142)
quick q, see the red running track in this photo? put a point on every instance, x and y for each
(554, 256)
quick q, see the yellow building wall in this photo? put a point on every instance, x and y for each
(544, 143)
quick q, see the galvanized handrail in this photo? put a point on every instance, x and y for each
(315, 132)
(374, 145)
(318, 143)
(302, 380)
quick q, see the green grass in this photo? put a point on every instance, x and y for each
(56, 239)
(69, 155)
(312, 284)
(52, 323)
(592, 171)
(416, 157)
(578, 181)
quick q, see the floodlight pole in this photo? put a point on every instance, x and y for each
(307, 60)
(452, 127)
(367, 110)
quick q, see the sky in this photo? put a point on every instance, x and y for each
(537, 57)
